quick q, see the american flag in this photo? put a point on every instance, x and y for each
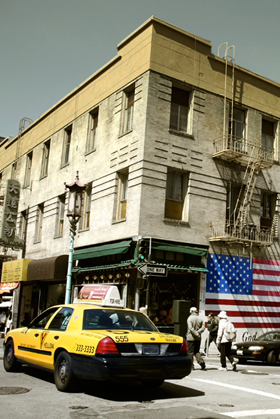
(247, 289)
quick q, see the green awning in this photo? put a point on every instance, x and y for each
(198, 251)
(104, 250)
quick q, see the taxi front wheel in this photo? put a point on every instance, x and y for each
(10, 362)
(63, 372)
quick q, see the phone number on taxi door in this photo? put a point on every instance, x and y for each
(85, 348)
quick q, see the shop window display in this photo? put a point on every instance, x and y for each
(164, 291)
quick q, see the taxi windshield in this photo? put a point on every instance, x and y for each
(98, 319)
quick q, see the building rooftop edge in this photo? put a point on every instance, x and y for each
(163, 23)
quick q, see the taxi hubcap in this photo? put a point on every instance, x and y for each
(63, 370)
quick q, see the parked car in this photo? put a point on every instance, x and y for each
(95, 342)
(265, 348)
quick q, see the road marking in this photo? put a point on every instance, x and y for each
(245, 413)
(248, 390)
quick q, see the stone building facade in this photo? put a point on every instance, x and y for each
(165, 135)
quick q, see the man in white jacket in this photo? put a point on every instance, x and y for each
(224, 344)
(195, 329)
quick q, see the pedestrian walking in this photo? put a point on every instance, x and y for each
(223, 343)
(213, 325)
(194, 331)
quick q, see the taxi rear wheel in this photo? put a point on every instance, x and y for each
(63, 372)
(10, 362)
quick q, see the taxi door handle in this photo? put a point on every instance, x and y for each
(56, 337)
(36, 335)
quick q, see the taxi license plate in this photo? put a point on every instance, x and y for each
(150, 349)
(239, 352)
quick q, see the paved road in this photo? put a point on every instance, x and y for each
(251, 392)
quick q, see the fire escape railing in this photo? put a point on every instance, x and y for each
(255, 158)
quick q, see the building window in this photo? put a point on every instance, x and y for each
(14, 170)
(23, 225)
(234, 198)
(66, 146)
(122, 195)
(92, 131)
(237, 124)
(45, 158)
(60, 215)
(84, 222)
(176, 192)
(128, 107)
(268, 202)
(179, 109)
(39, 223)
(268, 134)
(27, 177)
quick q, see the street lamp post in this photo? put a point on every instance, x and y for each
(74, 210)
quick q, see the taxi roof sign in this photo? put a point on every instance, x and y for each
(103, 295)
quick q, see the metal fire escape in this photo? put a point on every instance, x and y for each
(254, 157)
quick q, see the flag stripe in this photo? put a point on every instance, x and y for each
(253, 325)
(266, 282)
(266, 272)
(225, 302)
(267, 262)
(272, 293)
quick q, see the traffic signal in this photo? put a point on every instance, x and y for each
(142, 250)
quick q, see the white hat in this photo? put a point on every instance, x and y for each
(193, 310)
(223, 315)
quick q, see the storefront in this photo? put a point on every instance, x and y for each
(117, 264)
(14, 274)
(44, 286)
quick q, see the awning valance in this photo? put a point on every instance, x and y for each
(193, 269)
(104, 250)
(198, 251)
(48, 269)
(112, 266)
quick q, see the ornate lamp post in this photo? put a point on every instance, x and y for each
(74, 209)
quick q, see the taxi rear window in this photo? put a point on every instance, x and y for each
(98, 319)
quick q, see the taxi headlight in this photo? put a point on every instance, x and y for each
(256, 348)
(234, 347)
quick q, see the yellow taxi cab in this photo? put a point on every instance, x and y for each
(96, 338)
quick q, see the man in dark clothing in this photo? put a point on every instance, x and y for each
(195, 329)
(213, 326)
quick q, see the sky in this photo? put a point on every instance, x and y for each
(49, 47)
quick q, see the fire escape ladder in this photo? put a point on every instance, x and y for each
(252, 172)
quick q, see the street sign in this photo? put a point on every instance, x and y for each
(153, 269)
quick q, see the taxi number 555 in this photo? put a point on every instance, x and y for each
(121, 339)
(85, 349)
